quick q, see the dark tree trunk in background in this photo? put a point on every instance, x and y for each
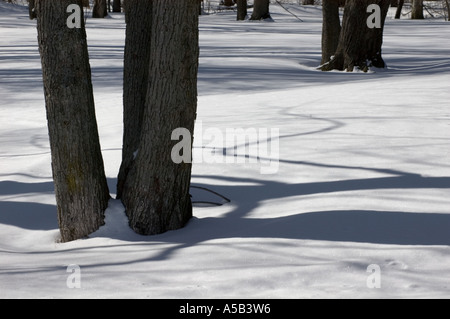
(308, 2)
(260, 10)
(80, 184)
(241, 9)
(117, 7)
(417, 9)
(138, 17)
(31, 12)
(156, 192)
(398, 12)
(331, 28)
(359, 46)
(100, 9)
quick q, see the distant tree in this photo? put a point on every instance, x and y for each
(260, 10)
(100, 9)
(156, 191)
(117, 6)
(31, 12)
(359, 45)
(417, 9)
(81, 190)
(331, 28)
(308, 2)
(398, 12)
(241, 9)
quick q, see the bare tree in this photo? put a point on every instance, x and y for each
(260, 10)
(398, 12)
(100, 9)
(80, 184)
(359, 45)
(417, 9)
(156, 191)
(331, 28)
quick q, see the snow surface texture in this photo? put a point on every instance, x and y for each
(363, 176)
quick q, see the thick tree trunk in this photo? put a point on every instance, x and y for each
(156, 192)
(331, 28)
(417, 9)
(359, 46)
(260, 10)
(100, 9)
(138, 19)
(398, 12)
(80, 184)
(241, 9)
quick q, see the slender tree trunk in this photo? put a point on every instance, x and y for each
(398, 12)
(260, 10)
(241, 9)
(138, 17)
(80, 184)
(331, 28)
(100, 9)
(417, 9)
(359, 46)
(447, 4)
(156, 191)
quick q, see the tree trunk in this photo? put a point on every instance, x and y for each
(80, 184)
(417, 9)
(241, 9)
(260, 10)
(228, 3)
(331, 28)
(138, 17)
(398, 12)
(117, 6)
(156, 191)
(308, 2)
(31, 12)
(100, 9)
(359, 46)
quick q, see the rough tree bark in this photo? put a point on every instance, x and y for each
(260, 10)
(241, 9)
(331, 28)
(80, 184)
(156, 192)
(359, 46)
(138, 18)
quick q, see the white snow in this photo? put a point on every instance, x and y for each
(363, 176)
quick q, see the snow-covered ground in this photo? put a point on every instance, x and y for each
(361, 182)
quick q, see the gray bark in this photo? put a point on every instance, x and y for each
(100, 9)
(398, 12)
(80, 184)
(156, 191)
(138, 17)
